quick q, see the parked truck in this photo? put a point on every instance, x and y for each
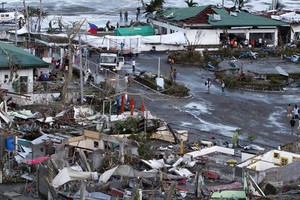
(111, 61)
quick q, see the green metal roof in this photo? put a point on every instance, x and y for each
(19, 56)
(178, 14)
(242, 18)
(135, 30)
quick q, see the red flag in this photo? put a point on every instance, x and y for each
(93, 28)
(93, 31)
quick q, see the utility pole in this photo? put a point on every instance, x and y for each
(158, 70)
(16, 24)
(80, 66)
(40, 16)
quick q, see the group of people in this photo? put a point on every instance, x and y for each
(138, 12)
(208, 84)
(233, 43)
(293, 116)
(61, 66)
(125, 16)
(51, 77)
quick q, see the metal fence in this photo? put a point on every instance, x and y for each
(100, 74)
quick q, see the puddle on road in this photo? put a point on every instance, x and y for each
(273, 120)
(196, 109)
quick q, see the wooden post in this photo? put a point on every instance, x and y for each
(143, 109)
(131, 105)
(50, 178)
(121, 152)
(122, 103)
(181, 147)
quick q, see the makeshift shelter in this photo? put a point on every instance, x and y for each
(135, 30)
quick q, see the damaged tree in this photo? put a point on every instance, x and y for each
(71, 33)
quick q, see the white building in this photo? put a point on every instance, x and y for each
(210, 25)
(25, 65)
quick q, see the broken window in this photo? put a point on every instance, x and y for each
(294, 158)
(96, 144)
(284, 161)
(276, 155)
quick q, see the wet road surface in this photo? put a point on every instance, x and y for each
(214, 114)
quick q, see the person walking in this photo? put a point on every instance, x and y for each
(174, 75)
(289, 110)
(223, 86)
(296, 112)
(138, 11)
(126, 16)
(208, 83)
(292, 123)
(118, 104)
(133, 65)
(121, 15)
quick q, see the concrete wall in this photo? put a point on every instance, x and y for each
(44, 98)
(42, 172)
(97, 159)
(162, 47)
(288, 174)
(87, 144)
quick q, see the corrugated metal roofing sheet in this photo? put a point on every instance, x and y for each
(242, 18)
(19, 56)
(234, 19)
(178, 14)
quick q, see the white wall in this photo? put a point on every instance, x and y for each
(269, 156)
(203, 37)
(261, 165)
(87, 143)
(21, 72)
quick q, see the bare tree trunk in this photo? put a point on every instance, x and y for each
(70, 72)
(71, 33)
(27, 19)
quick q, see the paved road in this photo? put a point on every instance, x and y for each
(213, 114)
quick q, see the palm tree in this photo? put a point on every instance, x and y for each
(191, 3)
(240, 4)
(155, 5)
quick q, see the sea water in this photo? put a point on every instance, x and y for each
(100, 11)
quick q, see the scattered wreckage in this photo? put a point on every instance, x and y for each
(82, 154)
